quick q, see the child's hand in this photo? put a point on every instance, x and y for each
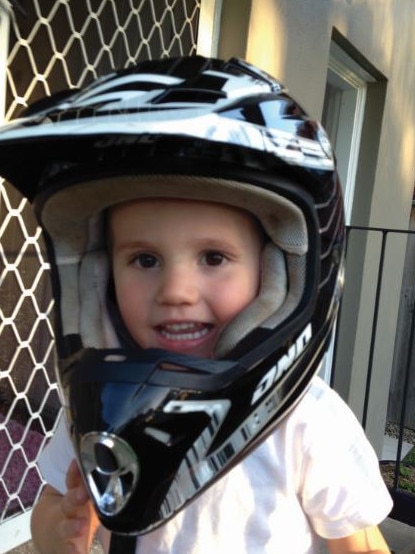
(64, 524)
(78, 526)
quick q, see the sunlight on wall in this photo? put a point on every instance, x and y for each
(267, 37)
(396, 164)
(403, 101)
(208, 28)
(407, 155)
(4, 33)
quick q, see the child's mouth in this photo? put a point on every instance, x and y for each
(184, 331)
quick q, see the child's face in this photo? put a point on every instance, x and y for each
(182, 270)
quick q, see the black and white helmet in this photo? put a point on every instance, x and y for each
(149, 438)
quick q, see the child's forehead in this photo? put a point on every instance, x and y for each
(187, 213)
(178, 219)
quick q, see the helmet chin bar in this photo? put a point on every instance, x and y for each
(148, 444)
(142, 428)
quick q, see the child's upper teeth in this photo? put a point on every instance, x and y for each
(184, 331)
(180, 326)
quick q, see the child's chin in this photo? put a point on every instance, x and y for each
(200, 352)
(188, 347)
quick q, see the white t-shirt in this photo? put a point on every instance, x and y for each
(315, 476)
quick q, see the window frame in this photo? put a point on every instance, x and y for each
(343, 115)
(4, 46)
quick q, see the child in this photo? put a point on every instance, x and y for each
(194, 223)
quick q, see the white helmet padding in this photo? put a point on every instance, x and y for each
(83, 265)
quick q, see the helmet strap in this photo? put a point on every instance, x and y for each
(122, 544)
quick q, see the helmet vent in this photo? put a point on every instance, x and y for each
(189, 96)
(111, 469)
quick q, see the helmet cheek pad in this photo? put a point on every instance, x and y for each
(153, 429)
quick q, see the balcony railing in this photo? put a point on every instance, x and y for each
(401, 402)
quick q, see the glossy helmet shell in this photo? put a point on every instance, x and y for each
(153, 429)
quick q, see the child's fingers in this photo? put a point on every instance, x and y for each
(72, 528)
(79, 521)
(73, 475)
(76, 496)
(75, 501)
(73, 535)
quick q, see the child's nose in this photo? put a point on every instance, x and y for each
(178, 286)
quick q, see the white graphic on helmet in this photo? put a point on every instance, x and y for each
(196, 469)
(111, 469)
(114, 94)
(128, 116)
(284, 363)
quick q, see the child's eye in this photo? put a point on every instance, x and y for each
(213, 258)
(145, 260)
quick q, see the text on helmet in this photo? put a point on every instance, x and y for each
(283, 364)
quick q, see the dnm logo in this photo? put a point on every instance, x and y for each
(284, 363)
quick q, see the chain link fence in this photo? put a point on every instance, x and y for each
(53, 45)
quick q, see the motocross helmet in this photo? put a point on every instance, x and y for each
(153, 429)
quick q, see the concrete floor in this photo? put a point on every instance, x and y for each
(400, 537)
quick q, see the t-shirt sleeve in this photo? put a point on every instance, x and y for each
(342, 490)
(56, 457)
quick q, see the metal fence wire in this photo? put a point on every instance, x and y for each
(53, 45)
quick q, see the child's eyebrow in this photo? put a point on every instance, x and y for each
(203, 242)
(215, 243)
(132, 243)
